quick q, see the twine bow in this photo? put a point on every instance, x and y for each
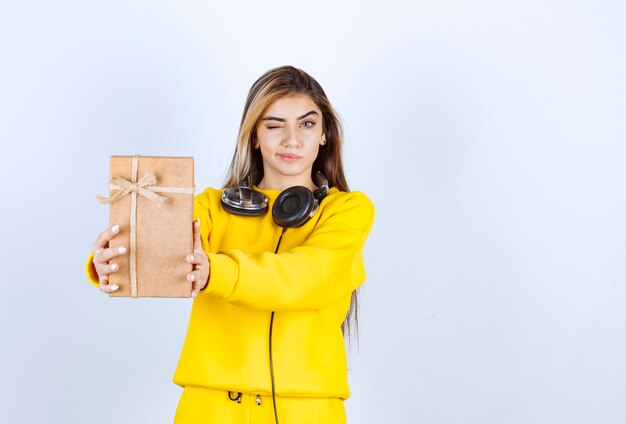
(145, 187)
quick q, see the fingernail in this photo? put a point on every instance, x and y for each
(115, 228)
(190, 258)
(194, 293)
(114, 287)
(121, 249)
(190, 277)
(114, 267)
(198, 223)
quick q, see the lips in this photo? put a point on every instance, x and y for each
(289, 157)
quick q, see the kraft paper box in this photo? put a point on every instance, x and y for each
(151, 199)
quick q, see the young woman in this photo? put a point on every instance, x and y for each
(274, 291)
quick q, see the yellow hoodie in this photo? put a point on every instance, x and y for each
(308, 284)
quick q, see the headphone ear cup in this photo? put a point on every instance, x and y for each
(242, 211)
(293, 207)
(244, 201)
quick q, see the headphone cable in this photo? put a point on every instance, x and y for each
(272, 370)
(270, 340)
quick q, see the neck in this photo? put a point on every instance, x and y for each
(284, 183)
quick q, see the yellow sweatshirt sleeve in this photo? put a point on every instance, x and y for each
(90, 270)
(324, 269)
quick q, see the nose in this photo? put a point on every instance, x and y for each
(291, 138)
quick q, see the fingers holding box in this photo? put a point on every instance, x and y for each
(102, 255)
(198, 258)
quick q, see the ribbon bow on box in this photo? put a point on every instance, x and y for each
(144, 187)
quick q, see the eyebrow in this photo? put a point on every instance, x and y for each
(274, 118)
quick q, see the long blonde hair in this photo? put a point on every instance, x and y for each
(247, 161)
(274, 84)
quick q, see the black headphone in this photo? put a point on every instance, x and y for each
(292, 208)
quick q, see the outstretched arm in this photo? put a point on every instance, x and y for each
(327, 267)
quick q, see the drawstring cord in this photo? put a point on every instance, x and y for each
(236, 398)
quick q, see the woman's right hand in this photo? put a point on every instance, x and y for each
(102, 254)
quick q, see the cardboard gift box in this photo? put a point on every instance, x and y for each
(151, 198)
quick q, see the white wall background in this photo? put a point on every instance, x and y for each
(490, 135)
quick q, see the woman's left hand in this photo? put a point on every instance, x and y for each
(200, 274)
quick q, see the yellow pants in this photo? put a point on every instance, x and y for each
(207, 406)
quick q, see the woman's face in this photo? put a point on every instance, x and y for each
(289, 135)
